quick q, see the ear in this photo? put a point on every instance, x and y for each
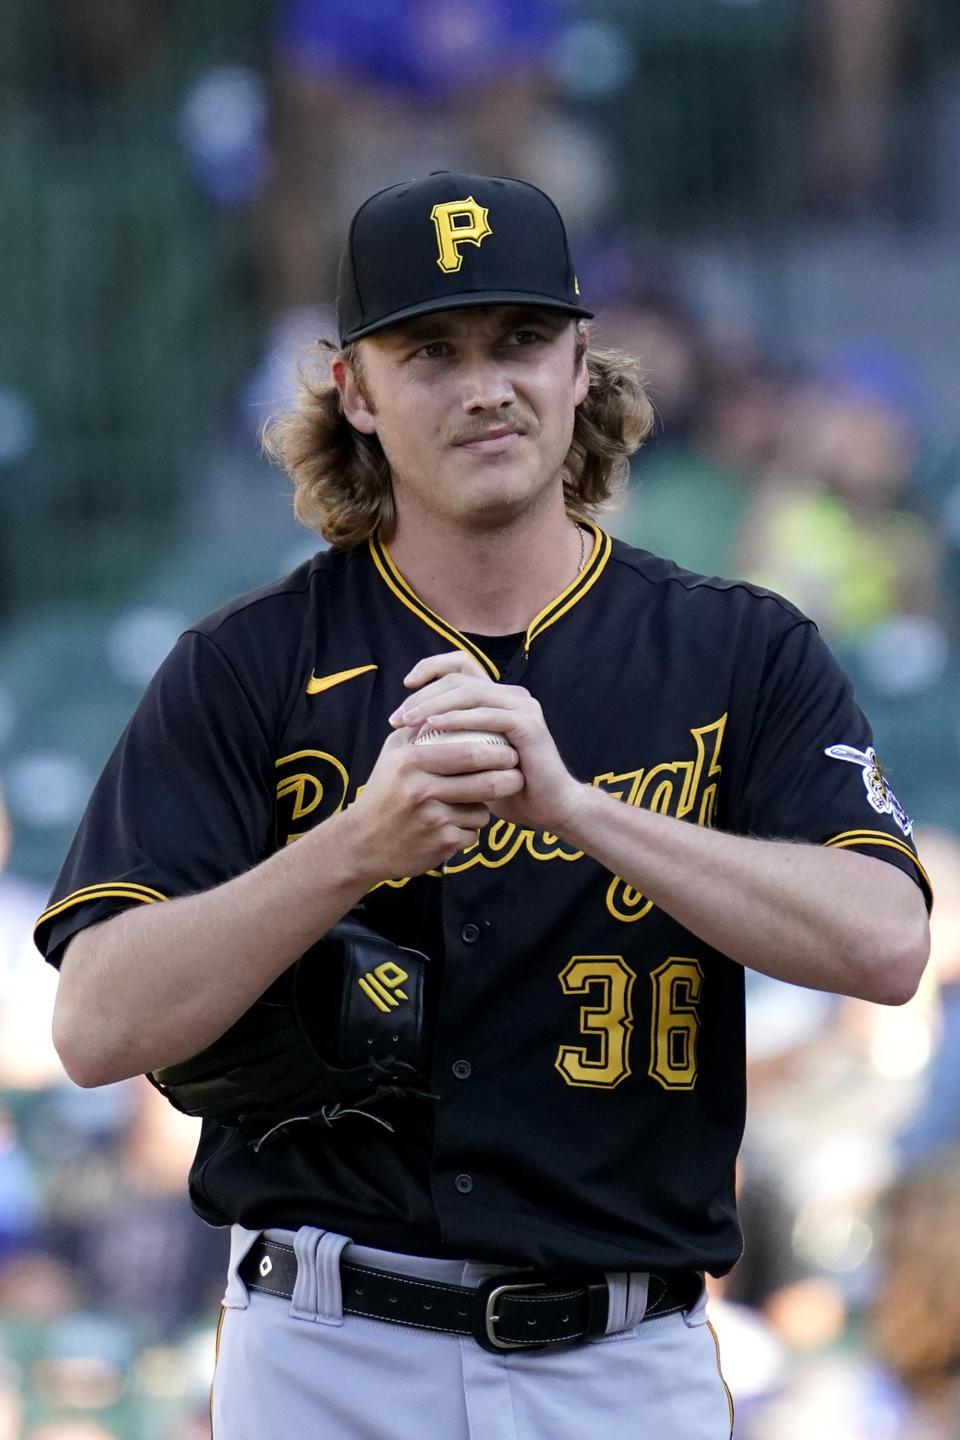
(356, 406)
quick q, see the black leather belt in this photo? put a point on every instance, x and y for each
(516, 1311)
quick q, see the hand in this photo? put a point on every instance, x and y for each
(455, 693)
(424, 803)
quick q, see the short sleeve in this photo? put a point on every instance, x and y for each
(811, 771)
(185, 802)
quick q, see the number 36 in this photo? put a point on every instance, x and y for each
(606, 1022)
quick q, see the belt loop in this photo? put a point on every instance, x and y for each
(638, 1296)
(317, 1294)
(235, 1296)
(616, 1302)
(629, 1292)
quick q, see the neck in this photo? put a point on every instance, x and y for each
(491, 582)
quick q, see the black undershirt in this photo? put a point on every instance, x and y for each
(503, 650)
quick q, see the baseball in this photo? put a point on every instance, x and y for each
(431, 735)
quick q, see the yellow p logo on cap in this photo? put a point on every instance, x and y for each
(458, 222)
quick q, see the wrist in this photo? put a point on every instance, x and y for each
(573, 824)
(341, 850)
(594, 823)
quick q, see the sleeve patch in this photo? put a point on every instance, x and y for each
(879, 793)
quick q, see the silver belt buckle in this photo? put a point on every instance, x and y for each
(490, 1316)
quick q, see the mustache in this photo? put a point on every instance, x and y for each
(477, 429)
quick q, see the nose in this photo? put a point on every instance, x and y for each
(485, 385)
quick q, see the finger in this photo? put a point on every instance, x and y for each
(476, 787)
(435, 689)
(470, 822)
(460, 757)
(465, 840)
(432, 667)
(470, 817)
(453, 692)
(462, 826)
(399, 736)
(497, 720)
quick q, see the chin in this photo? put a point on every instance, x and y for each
(503, 505)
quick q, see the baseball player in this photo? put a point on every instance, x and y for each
(502, 1232)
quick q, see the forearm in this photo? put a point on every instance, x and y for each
(156, 984)
(814, 916)
(830, 919)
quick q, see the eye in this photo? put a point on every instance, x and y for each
(524, 337)
(433, 350)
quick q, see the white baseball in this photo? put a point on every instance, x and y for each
(428, 735)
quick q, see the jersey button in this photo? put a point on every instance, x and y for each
(470, 933)
(464, 1184)
(462, 1069)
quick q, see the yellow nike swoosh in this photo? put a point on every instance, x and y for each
(316, 683)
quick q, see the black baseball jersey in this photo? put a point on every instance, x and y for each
(588, 1052)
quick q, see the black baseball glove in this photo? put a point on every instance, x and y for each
(341, 1031)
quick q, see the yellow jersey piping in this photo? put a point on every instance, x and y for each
(395, 582)
(588, 576)
(111, 889)
(849, 838)
(577, 588)
(726, 1387)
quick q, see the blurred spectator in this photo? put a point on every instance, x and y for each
(368, 93)
(719, 402)
(120, 1218)
(103, 50)
(744, 394)
(646, 315)
(378, 89)
(35, 1287)
(81, 1362)
(916, 1310)
(831, 526)
(857, 63)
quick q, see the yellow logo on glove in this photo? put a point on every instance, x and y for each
(377, 985)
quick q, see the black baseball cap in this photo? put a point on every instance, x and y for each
(449, 242)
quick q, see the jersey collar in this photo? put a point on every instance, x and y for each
(557, 608)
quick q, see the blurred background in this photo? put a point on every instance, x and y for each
(764, 201)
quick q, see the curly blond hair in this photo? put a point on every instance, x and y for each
(341, 478)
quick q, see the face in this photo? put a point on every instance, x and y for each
(474, 410)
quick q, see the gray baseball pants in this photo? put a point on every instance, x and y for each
(300, 1369)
